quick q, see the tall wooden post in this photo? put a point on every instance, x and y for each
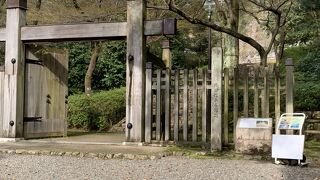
(246, 93)
(256, 92)
(289, 85)
(235, 101)
(277, 100)
(216, 103)
(14, 70)
(226, 108)
(166, 53)
(148, 111)
(135, 70)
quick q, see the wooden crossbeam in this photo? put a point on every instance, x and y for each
(93, 31)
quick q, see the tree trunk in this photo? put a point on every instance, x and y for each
(231, 44)
(92, 65)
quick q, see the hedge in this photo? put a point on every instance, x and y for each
(98, 111)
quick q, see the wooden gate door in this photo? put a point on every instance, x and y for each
(46, 90)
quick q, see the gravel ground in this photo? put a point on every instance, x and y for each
(56, 167)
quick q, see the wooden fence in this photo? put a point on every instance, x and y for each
(176, 100)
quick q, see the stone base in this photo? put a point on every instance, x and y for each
(10, 139)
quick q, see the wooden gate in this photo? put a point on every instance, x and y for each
(45, 92)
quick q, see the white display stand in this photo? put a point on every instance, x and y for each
(286, 146)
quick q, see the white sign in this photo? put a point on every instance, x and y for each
(287, 146)
(255, 122)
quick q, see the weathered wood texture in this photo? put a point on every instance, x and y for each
(87, 31)
(256, 92)
(135, 70)
(176, 105)
(14, 76)
(1, 96)
(46, 89)
(3, 34)
(195, 106)
(186, 105)
(235, 100)
(289, 86)
(226, 108)
(216, 100)
(149, 97)
(184, 85)
(167, 107)
(204, 106)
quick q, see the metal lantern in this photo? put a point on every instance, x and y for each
(209, 7)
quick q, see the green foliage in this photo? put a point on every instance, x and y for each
(304, 23)
(307, 88)
(110, 71)
(307, 76)
(307, 96)
(79, 58)
(110, 68)
(98, 111)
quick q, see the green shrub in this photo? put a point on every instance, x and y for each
(98, 111)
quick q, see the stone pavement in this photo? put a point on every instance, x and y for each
(91, 145)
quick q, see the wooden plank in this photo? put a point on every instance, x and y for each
(246, 93)
(195, 106)
(226, 108)
(204, 106)
(256, 92)
(265, 102)
(85, 31)
(289, 85)
(277, 97)
(74, 32)
(185, 105)
(158, 106)
(235, 101)
(14, 75)
(167, 106)
(148, 112)
(312, 132)
(176, 106)
(2, 34)
(216, 100)
(136, 70)
(1, 99)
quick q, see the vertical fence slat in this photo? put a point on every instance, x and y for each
(277, 96)
(204, 106)
(235, 100)
(195, 106)
(289, 88)
(256, 92)
(1, 98)
(148, 117)
(176, 106)
(246, 93)
(265, 93)
(167, 106)
(226, 108)
(185, 106)
(158, 107)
